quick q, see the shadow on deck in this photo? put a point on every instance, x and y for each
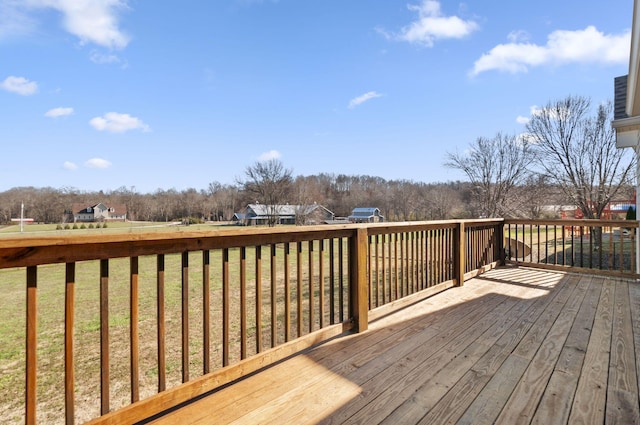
(514, 345)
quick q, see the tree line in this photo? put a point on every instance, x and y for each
(400, 200)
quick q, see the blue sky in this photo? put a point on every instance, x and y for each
(99, 94)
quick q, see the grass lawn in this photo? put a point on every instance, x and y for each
(112, 227)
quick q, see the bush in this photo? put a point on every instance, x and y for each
(67, 227)
(631, 213)
(104, 226)
(82, 226)
(75, 226)
(59, 227)
(90, 226)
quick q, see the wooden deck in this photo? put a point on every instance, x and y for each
(512, 346)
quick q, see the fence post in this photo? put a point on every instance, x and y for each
(358, 285)
(459, 252)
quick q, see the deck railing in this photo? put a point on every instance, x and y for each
(596, 246)
(119, 327)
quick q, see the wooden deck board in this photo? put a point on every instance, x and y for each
(514, 345)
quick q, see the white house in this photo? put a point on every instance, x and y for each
(99, 212)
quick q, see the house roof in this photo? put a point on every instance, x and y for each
(118, 209)
(263, 210)
(364, 212)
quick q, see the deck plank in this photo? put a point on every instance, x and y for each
(622, 388)
(589, 403)
(521, 406)
(514, 345)
(450, 389)
(491, 400)
(555, 405)
(430, 378)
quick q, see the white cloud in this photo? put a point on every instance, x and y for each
(68, 165)
(97, 163)
(58, 112)
(115, 122)
(581, 46)
(92, 21)
(363, 98)
(267, 156)
(522, 120)
(13, 21)
(19, 85)
(432, 25)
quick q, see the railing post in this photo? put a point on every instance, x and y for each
(460, 252)
(499, 232)
(358, 279)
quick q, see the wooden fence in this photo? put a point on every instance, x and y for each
(149, 321)
(593, 246)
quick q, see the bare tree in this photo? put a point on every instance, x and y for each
(495, 168)
(578, 152)
(270, 183)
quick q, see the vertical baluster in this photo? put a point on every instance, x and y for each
(332, 281)
(403, 290)
(287, 293)
(69, 325)
(341, 273)
(611, 248)
(274, 299)
(243, 302)
(546, 245)
(433, 258)
(299, 286)
(388, 266)
(435, 252)
(258, 299)
(539, 243)
(450, 253)
(225, 307)
(581, 246)
(32, 345)
(104, 337)
(423, 257)
(133, 329)
(369, 270)
(407, 271)
(414, 269)
(395, 267)
(185, 316)
(311, 297)
(377, 256)
(206, 311)
(634, 235)
(531, 242)
(321, 281)
(385, 242)
(162, 369)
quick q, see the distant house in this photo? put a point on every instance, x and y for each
(365, 215)
(99, 212)
(257, 214)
